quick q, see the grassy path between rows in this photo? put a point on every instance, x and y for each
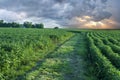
(65, 63)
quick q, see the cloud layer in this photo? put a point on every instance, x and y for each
(70, 13)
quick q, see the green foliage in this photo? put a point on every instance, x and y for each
(15, 25)
(27, 24)
(56, 27)
(20, 49)
(107, 51)
(11, 25)
(104, 70)
(1, 21)
(41, 26)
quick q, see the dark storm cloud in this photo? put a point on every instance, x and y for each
(101, 15)
(103, 1)
(62, 11)
(115, 10)
(60, 1)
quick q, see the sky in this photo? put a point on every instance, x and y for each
(95, 14)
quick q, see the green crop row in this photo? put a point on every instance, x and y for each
(114, 47)
(107, 51)
(104, 70)
(20, 49)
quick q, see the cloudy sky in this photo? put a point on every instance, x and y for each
(65, 13)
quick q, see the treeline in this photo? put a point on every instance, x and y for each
(18, 25)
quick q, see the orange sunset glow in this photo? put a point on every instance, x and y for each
(89, 23)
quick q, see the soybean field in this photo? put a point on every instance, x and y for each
(59, 54)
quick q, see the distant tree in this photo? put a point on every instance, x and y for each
(56, 27)
(1, 21)
(7, 24)
(41, 26)
(15, 25)
(24, 25)
(27, 24)
(33, 26)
